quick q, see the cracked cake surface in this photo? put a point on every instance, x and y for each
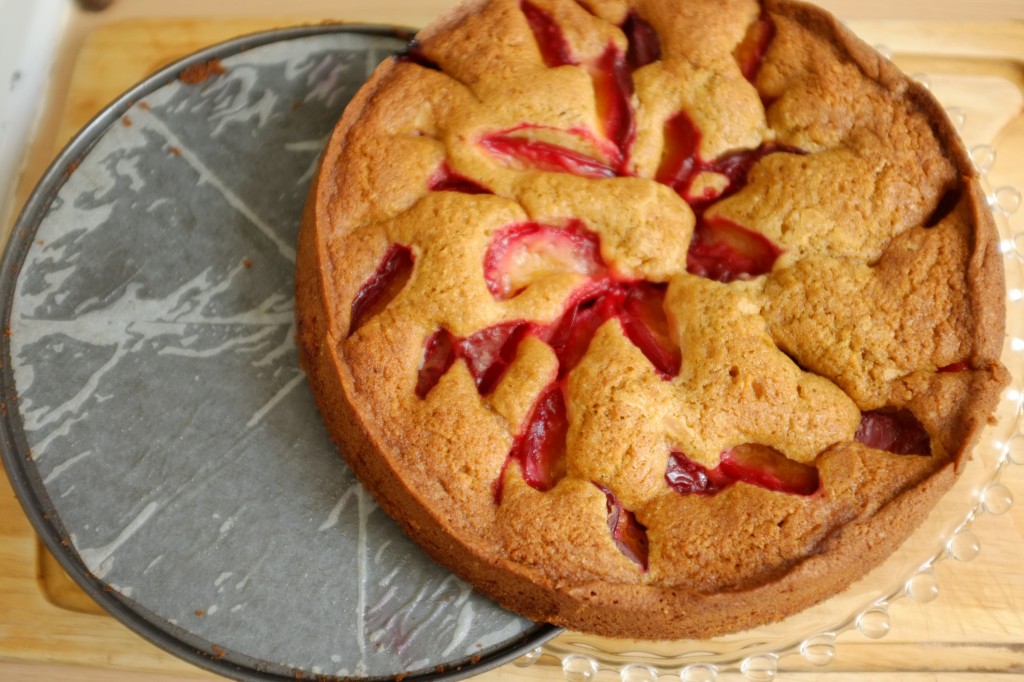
(650, 319)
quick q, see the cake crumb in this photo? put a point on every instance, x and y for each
(247, 263)
(126, 121)
(200, 612)
(197, 73)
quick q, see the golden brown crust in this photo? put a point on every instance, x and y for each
(772, 360)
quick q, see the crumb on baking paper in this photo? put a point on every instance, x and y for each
(144, 106)
(218, 652)
(175, 151)
(197, 73)
(126, 121)
(200, 612)
(247, 263)
(475, 659)
(296, 103)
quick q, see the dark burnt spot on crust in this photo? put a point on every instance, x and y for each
(413, 53)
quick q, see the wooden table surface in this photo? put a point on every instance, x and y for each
(49, 630)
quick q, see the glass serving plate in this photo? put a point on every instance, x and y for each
(147, 290)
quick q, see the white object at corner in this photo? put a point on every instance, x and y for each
(29, 35)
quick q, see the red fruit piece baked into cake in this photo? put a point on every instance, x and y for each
(650, 319)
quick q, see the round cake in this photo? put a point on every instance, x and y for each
(650, 319)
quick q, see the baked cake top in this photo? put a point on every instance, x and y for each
(645, 298)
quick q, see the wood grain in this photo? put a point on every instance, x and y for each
(50, 630)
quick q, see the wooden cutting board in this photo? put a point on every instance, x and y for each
(49, 628)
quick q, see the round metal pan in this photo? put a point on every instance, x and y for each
(156, 426)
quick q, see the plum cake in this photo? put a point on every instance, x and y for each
(650, 318)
